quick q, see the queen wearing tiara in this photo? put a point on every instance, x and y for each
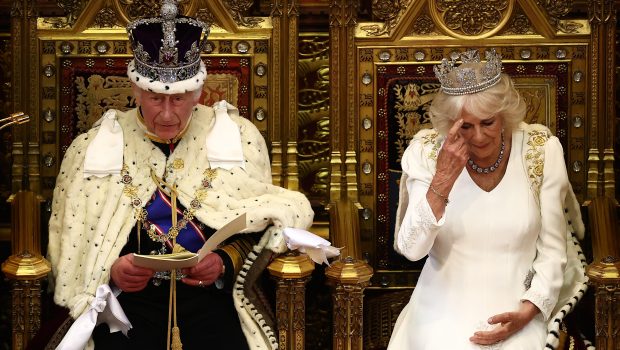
(483, 195)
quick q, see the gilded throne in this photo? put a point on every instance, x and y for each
(83, 58)
(559, 66)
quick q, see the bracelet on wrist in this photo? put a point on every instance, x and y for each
(444, 197)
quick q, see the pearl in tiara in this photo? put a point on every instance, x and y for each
(468, 80)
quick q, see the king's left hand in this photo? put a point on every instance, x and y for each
(205, 272)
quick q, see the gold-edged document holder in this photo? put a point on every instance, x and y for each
(166, 262)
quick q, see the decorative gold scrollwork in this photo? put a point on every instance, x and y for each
(106, 18)
(131, 10)
(72, 9)
(238, 8)
(388, 11)
(557, 9)
(520, 25)
(313, 116)
(142, 9)
(206, 16)
(423, 25)
(467, 18)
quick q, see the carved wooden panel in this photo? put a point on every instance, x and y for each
(313, 117)
(6, 135)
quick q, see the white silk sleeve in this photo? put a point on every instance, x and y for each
(548, 266)
(418, 228)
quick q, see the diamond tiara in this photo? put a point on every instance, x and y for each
(467, 80)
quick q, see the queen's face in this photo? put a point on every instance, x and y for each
(166, 115)
(483, 136)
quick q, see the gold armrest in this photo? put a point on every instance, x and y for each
(604, 272)
(291, 272)
(348, 277)
(26, 267)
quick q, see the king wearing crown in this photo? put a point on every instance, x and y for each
(161, 179)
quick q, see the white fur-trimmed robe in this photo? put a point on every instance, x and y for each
(92, 217)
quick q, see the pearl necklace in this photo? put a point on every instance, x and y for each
(480, 170)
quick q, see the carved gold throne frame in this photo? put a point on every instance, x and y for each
(385, 82)
(71, 69)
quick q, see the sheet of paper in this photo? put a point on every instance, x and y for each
(167, 262)
(233, 227)
(164, 262)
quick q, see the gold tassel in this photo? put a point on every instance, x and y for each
(176, 332)
(175, 343)
(170, 311)
(176, 339)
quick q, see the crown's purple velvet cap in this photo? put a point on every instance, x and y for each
(167, 54)
(150, 36)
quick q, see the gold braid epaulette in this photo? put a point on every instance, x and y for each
(535, 159)
(238, 251)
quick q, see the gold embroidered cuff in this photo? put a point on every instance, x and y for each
(235, 257)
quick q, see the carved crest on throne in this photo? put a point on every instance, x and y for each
(97, 94)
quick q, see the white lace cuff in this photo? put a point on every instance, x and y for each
(544, 304)
(422, 224)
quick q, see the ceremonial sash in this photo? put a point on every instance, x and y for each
(159, 214)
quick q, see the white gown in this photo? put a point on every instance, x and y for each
(479, 255)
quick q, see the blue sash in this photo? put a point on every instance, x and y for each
(159, 213)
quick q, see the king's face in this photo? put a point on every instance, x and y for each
(166, 115)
